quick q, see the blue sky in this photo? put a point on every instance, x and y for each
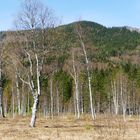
(106, 12)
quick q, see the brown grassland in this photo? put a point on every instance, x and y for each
(105, 127)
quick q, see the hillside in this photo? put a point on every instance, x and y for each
(112, 41)
(115, 44)
(109, 42)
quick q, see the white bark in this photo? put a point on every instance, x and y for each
(89, 77)
(18, 94)
(123, 99)
(1, 92)
(34, 15)
(115, 97)
(51, 95)
(57, 101)
(13, 103)
(28, 103)
(74, 102)
(23, 101)
(82, 103)
(1, 105)
(76, 89)
(38, 75)
(77, 99)
(34, 110)
(5, 106)
(35, 92)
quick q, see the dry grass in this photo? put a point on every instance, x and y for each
(68, 128)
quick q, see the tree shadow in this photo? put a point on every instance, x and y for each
(75, 126)
(62, 126)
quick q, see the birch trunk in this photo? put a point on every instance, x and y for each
(89, 77)
(76, 89)
(5, 107)
(77, 98)
(35, 92)
(34, 15)
(123, 100)
(57, 101)
(23, 101)
(18, 94)
(34, 110)
(13, 102)
(74, 102)
(51, 95)
(91, 99)
(115, 97)
(1, 92)
(28, 103)
(82, 102)
(1, 104)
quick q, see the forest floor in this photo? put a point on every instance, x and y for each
(68, 128)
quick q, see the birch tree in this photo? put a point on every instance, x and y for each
(51, 96)
(123, 95)
(1, 89)
(72, 66)
(115, 96)
(35, 19)
(79, 34)
(75, 77)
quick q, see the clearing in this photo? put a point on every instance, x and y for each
(105, 127)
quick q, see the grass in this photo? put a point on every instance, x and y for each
(105, 127)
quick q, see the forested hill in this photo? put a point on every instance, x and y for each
(103, 44)
(113, 41)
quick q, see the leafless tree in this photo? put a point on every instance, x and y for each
(35, 19)
(78, 30)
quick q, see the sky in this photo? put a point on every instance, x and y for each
(106, 12)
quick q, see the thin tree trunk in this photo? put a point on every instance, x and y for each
(44, 107)
(1, 92)
(74, 102)
(57, 101)
(82, 102)
(115, 97)
(28, 102)
(13, 102)
(1, 104)
(51, 95)
(122, 99)
(18, 94)
(23, 101)
(89, 82)
(91, 99)
(5, 106)
(35, 92)
(89, 77)
(77, 98)
(76, 89)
